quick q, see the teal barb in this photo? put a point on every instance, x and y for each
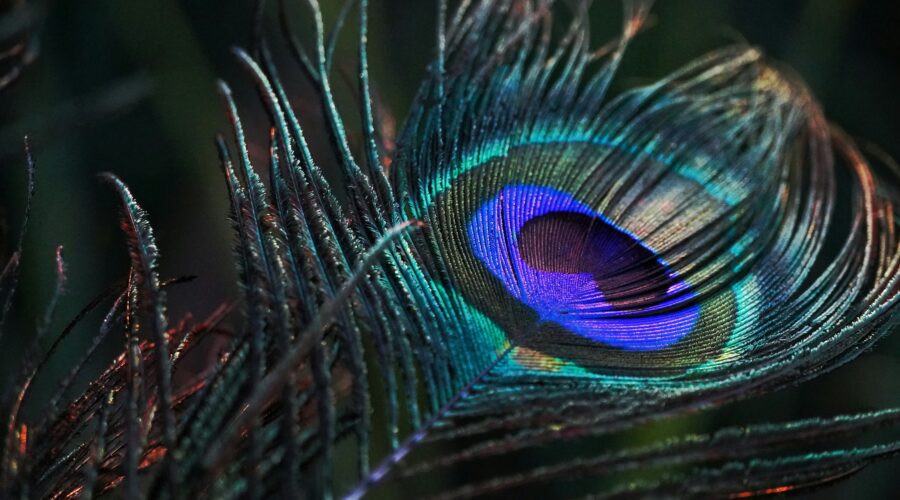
(543, 264)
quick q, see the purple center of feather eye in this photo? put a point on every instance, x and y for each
(576, 268)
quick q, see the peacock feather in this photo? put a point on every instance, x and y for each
(538, 266)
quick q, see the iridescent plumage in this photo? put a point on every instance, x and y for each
(544, 263)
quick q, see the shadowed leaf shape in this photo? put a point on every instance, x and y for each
(543, 265)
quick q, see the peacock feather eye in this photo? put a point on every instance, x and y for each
(579, 271)
(579, 246)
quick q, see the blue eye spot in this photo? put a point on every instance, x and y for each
(577, 269)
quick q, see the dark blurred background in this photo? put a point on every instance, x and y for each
(128, 86)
